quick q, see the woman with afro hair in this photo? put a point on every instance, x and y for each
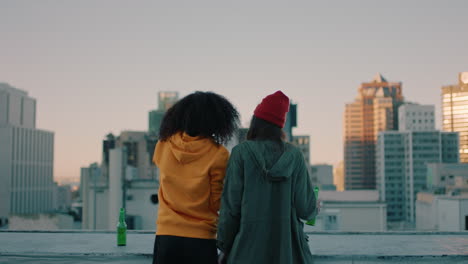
(192, 163)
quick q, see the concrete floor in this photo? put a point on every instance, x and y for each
(340, 248)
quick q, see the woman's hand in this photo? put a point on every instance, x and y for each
(319, 205)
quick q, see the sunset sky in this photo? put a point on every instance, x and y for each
(96, 66)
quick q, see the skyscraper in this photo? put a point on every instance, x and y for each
(165, 101)
(291, 121)
(375, 109)
(139, 153)
(303, 143)
(338, 176)
(323, 176)
(26, 156)
(455, 112)
(402, 158)
(155, 118)
(415, 117)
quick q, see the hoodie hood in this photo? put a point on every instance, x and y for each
(187, 149)
(274, 168)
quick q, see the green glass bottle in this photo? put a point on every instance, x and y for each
(311, 222)
(122, 229)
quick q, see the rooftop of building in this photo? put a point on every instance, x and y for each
(7, 87)
(411, 106)
(380, 81)
(379, 78)
(428, 197)
(327, 247)
(350, 196)
(458, 197)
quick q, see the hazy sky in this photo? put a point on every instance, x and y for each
(96, 66)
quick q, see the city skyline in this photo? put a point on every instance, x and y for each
(102, 74)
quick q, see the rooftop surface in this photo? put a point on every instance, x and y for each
(340, 247)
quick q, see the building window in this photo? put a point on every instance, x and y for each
(331, 222)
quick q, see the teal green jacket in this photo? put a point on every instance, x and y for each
(267, 191)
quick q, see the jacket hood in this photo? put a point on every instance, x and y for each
(187, 149)
(282, 169)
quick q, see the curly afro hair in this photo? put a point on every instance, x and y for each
(204, 114)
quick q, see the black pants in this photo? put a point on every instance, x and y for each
(184, 250)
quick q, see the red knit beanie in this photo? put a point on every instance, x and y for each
(273, 108)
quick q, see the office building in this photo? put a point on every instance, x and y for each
(350, 211)
(104, 196)
(291, 122)
(447, 178)
(303, 143)
(375, 109)
(323, 175)
(401, 167)
(26, 157)
(446, 213)
(165, 101)
(139, 146)
(455, 112)
(338, 176)
(415, 117)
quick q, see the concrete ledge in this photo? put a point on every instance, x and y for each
(147, 259)
(341, 233)
(328, 247)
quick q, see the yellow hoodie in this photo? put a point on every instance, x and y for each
(191, 180)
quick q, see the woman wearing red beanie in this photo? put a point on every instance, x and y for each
(266, 193)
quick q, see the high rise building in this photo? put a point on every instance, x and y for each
(303, 143)
(291, 121)
(375, 109)
(26, 156)
(338, 176)
(103, 196)
(401, 167)
(323, 173)
(139, 148)
(415, 117)
(165, 101)
(155, 118)
(455, 112)
(94, 195)
(449, 178)
(402, 158)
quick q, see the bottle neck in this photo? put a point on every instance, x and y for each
(122, 216)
